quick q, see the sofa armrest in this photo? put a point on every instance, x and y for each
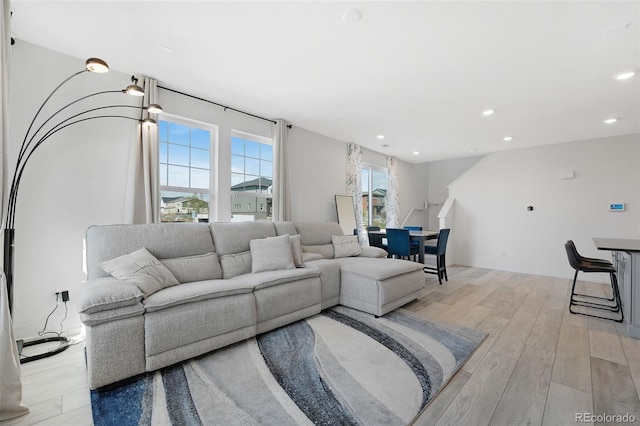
(104, 294)
(369, 251)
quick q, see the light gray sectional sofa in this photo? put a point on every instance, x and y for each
(227, 282)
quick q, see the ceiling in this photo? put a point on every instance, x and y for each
(420, 73)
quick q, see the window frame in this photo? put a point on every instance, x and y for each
(213, 166)
(258, 195)
(369, 193)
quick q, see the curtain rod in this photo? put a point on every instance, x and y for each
(220, 105)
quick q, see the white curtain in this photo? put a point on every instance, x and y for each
(281, 192)
(354, 186)
(10, 385)
(393, 200)
(142, 202)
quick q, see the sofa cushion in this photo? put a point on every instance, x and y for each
(103, 294)
(369, 251)
(271, 254)
(193, 292)
(235, 264)
(346, 246)
(296, 250)
(270, 278)
(142, 269)
(163, 240)
(285, 228)
(324, 250)
(318, 233)
(234, 237)
(194, 268)
(377, 269)
(309, 257)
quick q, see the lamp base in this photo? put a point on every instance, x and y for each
(64, 344)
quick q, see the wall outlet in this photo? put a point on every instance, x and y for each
(65, 296)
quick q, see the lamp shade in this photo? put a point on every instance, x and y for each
(134, 90)
(154, 108)
(96, 65)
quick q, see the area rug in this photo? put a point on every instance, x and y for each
(340, 367)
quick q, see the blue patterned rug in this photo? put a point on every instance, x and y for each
(340, 367)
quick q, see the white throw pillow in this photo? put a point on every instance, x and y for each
(346, 245)
(142, 269)
(271, 254)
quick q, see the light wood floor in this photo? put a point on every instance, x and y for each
(539, 364)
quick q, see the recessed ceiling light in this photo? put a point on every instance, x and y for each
(624, 75)
(380, 136)
(385, 145)
(488, 112)
(351, 15)
(610, 120)
(165, 49)
(416, 153)
(507, 138)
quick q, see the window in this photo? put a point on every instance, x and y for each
(185, 170)
(374, 188)
(251, 177)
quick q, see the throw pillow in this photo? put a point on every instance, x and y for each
(271, 254)
(142, 269)
(296, 250)
(346, 245)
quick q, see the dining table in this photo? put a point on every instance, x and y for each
(421, 236)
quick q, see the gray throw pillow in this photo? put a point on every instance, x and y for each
(142, 269)
(271, 254)
(346, 245)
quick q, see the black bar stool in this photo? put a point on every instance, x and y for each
(587, 264)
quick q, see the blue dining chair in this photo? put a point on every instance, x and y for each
(415, 228)
(399, 243)
(439, 251)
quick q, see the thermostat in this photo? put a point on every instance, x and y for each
(616, 207)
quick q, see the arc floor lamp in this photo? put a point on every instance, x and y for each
(34, 139)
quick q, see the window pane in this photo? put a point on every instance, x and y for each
(237, 182)
(252, 149)
(178, 155)
(163, 174)
(266, 185)
(252, 166)
(266, 152)
(365, 180)
(178, 134)
(199, 158)
(237, 146)
(178, 176)
(379, 198)
(200, 138)
(199, 178)
(184, 207)
(163, 152)
(237, 164)
(266, 168)
(162, 131)
(251, 183)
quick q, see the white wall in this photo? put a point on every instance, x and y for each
(493, 228)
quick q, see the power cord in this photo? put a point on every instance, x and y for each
(43, 332)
